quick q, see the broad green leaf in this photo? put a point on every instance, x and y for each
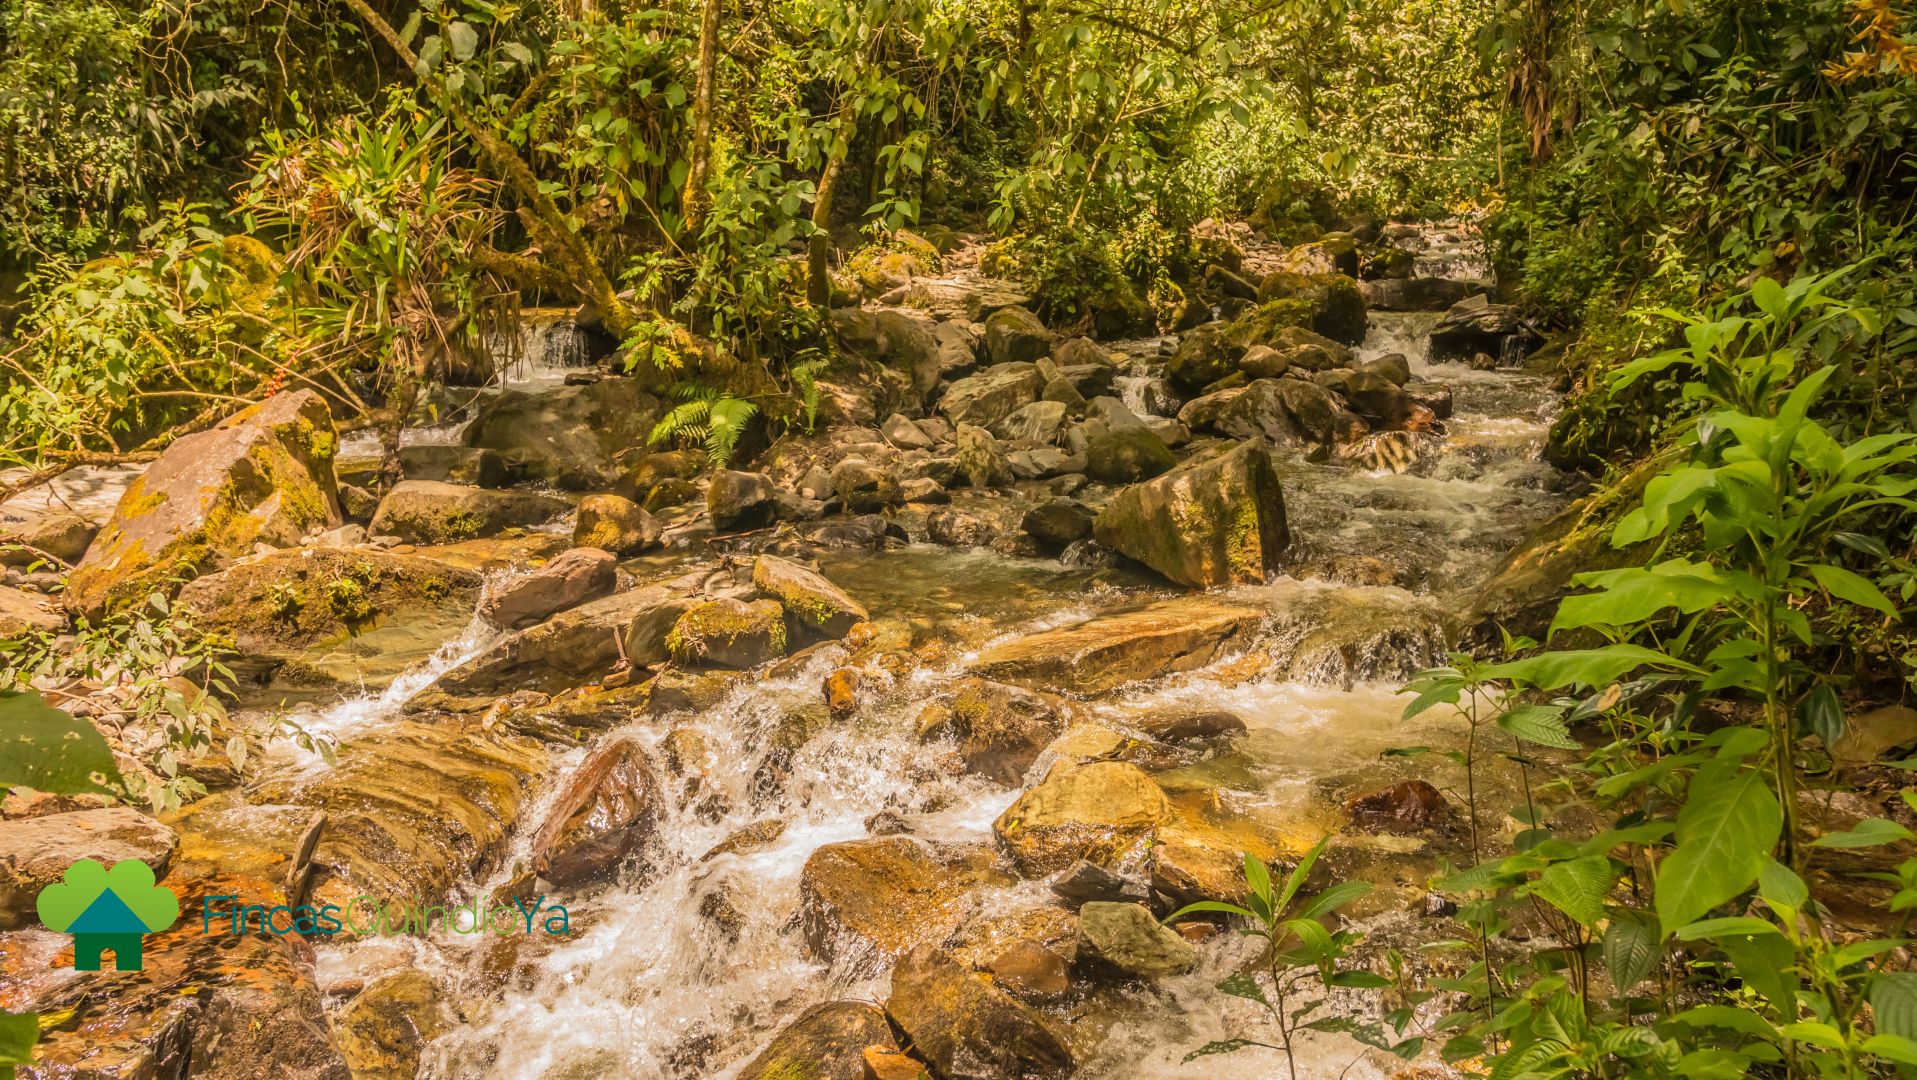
(1893, 1001)
(1780, 887)
(18, 1033)
(1209, 905)
(1588, 668)
(1898, 1048)
(1822, 714)
(1631, 596)
(464, 39)
(1855, 588)
(1578, 887)
(1741, 925)
(1334, 898)
(47, 750)
(1725, 831)
(1870, 832)
(1632, 944)
(1540, 724)
(1814, 1033)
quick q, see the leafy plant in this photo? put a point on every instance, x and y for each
(707, 417)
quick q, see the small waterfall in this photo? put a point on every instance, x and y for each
(543, 347)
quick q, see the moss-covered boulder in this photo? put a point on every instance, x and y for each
(879, 898)
(1119, 447)
(1218, 519)
(568, 436)
(383, 1031)
(616, 524)
(826, 1042)
(1014, 334)
(1287, 412)
(729, 633)
(1204, 356)
(1334, 304)
(1128, 940)
(893, 339)
(264, 475)
(432, 512)
(814, 607)
(289, 604)
(964, 1026)
(1000, 729)
(1095, 811)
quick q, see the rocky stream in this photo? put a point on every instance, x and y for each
(825, 756)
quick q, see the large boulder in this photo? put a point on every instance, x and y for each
(1120, 448)
(878, 898)
(432, 512)
(729, 633)
(741, 501)
(1375, 397)
(568, 436)
(826, 1042)
(991, 395)
(1204, 356)
(1038, 422)
(1115, 649)
(1416, 294)
(263, 476)
(1000, 729)
(813, 605)
(1288, 412)
(456, 465)
(616, 524)
(573, 646)
(35, 852)
(608, 811)
(1476, 326)
(967, 1028)
(567, 580)
(1127, 939)
(1097, 811)
(23, 613)
(895, 339)
(1217, 519)
(1014, 334)
(1337, 307)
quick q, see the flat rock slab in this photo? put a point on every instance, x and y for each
(35, 852)
(23, 613)
(1112, 650)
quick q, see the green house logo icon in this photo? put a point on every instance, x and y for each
(107, 911)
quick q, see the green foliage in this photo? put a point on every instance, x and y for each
(18, 1033)
(48, 750)
(708, 418)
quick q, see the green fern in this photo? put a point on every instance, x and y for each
(805, 376)
(707, 417)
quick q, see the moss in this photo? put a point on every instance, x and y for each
(1259, 325)
(1244, 543)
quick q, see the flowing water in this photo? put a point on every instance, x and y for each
(690, 964)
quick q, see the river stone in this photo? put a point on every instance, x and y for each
(728, 633)
(1218, 519)
(432, 512)
(289, 605)
(567, 580)
(949, 527)
(385, 1028)
(901, 432)
(1190, 725)
(218, 1006)
(1000, 729)
(1014, 334)
(991, 395)
(456, 465)
(1476, 325)
(903, 342)
(1125, 453)
(23, 613)
(877, 898)
(1038, 422)
(1416, 294)
(980, 458)
(571, 647)
(1288, 412)
(1095, 811)
(1084, 881)
(1126, 937)
(1124, 647)
(1203, 357)
(1375, 397)
(1056, 523)
(864, 488)
(35, 852)
(1403, 807)
(1433, 396)
(740, 501)
(568, 436)
(812, 604)
(1336, 308)
(615, 524)
(63, 535)
(826, 1042)
(608, 811)
(1392, 366)
(968, 1029)
(263, 476)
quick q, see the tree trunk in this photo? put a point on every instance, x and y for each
(696, 195)
(818, 276)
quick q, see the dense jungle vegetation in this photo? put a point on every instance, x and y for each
(1709, 206)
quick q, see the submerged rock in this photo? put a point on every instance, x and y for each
(1218, 519)
(1000, 729)
(1404, 807)
(826, 1042)
(813, 605)
(608, 811)
(967, 1028)
(263, 476)
(878, 898)
(729, 633)
(431, 512)
(385, 1029)
(568, 436)
(567, 580)
(1127, 939)
(1112, 650)
(35, 852)
(1095, 811)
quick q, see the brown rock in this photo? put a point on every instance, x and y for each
(1032, 973)
(616, 524)
(1112, 650)
(1095, 811)
(567, 580)
(607, 812)
(812, 604)
(842, 691)
(1404, 807)
(1001, 729)
(384, 1030)
(826, 1042)
(966, 1028)
(432, 512)
(36, 852)
(883, 1064)
(23, 613)
(878, 898)
(1217, 519)
(729, 633)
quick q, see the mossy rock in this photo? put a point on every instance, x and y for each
(1217, 519)
(431, 512)
(826, 1042)
(729, 633)
(1337, 306)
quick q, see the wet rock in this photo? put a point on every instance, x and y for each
(1203, 357)
(1085, 882)
(1288, 412)
(1038, 422)
(384, 1030)
(35, 852)
(1095, 811)
(842, 691)
(1190, 726)
(878, 898)
(1404, 807)
(62, 535)
(905, 434)
(1392, 366)
(1477, 326)
(572, 646)
(826, 1042)
(980, 458)
(1416, 294)
(754, 837)
(1056, 523)
(1433, 396)
(740, 501)
(263, 476)
(1115, 649)
(1334, 306)
(571, 719)
(568, 436)
(1218, 519)
(984, 399)
(729, 633)
(1000, 729)
(1031, 972)
(465, 465)
(864, 488)
(1127, 939)
(902, 342)
(923, 490)
(812, 603)
(607, 812)
(966, 1028)
(431, 512)
(1014, 334)
(1119, 448)
(1377, 398)
(568, 580)
(23, 613)
(956, 528)
(615, 524)
(885, 1065)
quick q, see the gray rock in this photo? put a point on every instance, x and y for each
(1038, 422)
(1058, 522)
(567, 436)
(1126, 938)
(468, 465)
(740, 501)
(904, 434)
(1217, 519)
(1015, 334)
(991, 395)
(567, 580)
(431, 512)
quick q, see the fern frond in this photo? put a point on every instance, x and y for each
(725, 423)
(689, 419)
